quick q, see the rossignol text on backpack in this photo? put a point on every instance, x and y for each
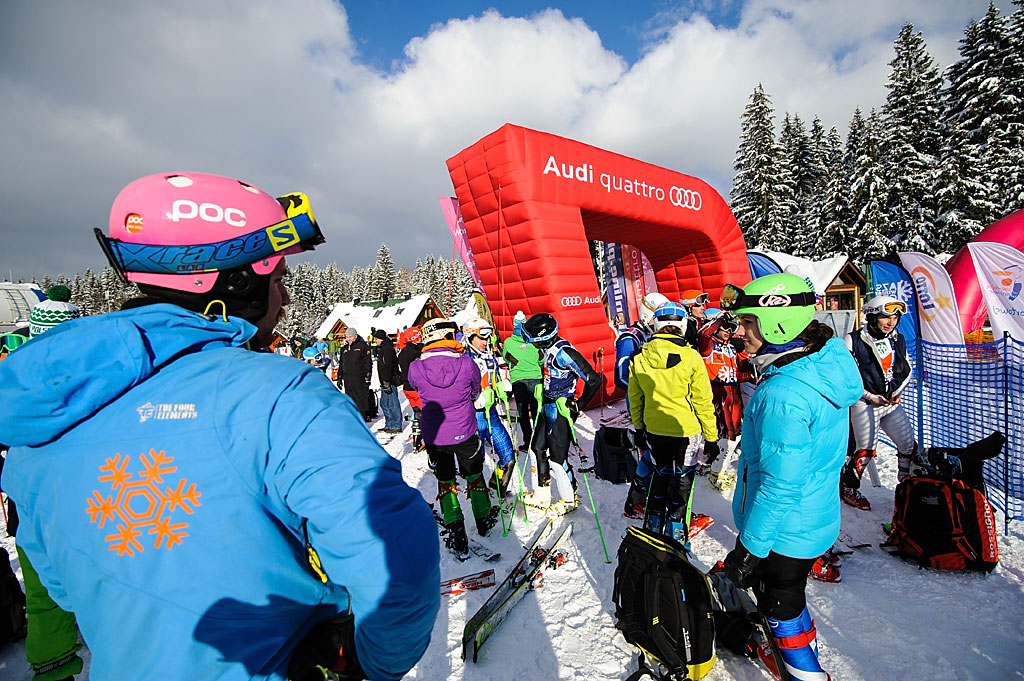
(663, 606)
(944, 525)
(613, 455)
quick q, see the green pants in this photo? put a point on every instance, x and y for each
(52, 641)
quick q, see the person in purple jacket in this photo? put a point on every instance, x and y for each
(448, 381)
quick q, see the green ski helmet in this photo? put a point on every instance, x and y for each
(782, 303)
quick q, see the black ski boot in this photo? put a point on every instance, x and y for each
(484, 525)
(456, 541)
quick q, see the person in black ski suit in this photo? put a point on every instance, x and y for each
(354, 371)
(387, 374)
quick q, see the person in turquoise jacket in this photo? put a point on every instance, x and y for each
(795, 429)
(209, 511)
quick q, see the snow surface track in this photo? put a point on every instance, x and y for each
(887, 620)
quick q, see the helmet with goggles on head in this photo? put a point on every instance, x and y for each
(541, 330)
(194, 238)
(648, 305)
(439, 329)
(670, 315)
(691, 297)
(477, 327)
(782, 303)
(884, 306)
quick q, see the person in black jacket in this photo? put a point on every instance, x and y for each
(354, 373)
(388, 375)
(410, 352)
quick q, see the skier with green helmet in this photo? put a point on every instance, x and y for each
(795, 432)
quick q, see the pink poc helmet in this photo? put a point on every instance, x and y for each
(191, 238)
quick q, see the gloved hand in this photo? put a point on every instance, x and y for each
(386, 388)
(640, 440)
(331, 645)
(505, 387)
(574, 409)
(740, 565)
(711, 452)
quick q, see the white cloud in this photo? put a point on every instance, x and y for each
(95, 94)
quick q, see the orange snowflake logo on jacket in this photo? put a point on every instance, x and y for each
(139, 505)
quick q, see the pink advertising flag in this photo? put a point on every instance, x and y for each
(453, 216)
(1001, 275)
(940, 321)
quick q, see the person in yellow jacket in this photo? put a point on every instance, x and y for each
(672, 411)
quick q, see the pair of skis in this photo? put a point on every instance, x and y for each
(520, 580)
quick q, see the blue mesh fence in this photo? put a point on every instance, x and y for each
(962, 394)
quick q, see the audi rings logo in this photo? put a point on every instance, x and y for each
(571, 301)
(684, 198)
(771, 300)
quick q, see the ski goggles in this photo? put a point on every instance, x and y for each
(895, 307)
(299, 232)
(702, 299)
(733, 298)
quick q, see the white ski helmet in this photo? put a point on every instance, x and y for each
(885, 306)
(477, 327)
(439, 329)
(648, 305)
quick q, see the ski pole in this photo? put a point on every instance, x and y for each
(564, 411)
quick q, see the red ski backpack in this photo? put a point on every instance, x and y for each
(944, 525)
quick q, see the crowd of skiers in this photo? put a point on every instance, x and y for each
(264, 452)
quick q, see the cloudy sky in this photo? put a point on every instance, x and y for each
(360, 104)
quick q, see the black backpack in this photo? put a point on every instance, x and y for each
(613, 455)
(663, 606)
(12, 602)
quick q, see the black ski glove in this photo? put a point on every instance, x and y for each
(330, 645)
(640, 440)
(740, 565)
(574, 409)
(711, 452)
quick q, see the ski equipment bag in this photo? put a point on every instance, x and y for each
(12, 602)
(613, 455)
(944, 525)
(663, 606)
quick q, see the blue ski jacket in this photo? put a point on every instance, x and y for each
(167, 478)
(795, 431)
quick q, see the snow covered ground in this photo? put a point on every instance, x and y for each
(886, 620)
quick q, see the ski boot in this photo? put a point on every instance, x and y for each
(484, 524)
(456, 541)
(797, 641)
(853, 497)
(824, 571)
(699, 522)
(503, 477)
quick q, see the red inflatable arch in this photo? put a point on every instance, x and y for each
(530, 202)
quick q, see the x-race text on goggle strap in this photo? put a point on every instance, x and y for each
(300, 232)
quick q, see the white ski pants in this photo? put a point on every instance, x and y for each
(866, 420)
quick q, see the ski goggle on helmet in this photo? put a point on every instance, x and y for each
(693, 297)
(782, 303)
(649, 304)
(541, 330)
(181, 230)
(439, 329)
(670, 314)
(477, 327)
(885, 306)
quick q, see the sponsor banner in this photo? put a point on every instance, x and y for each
(615, 281)
(634, 271)
(680, 198)
(936, 303)
(893, 281)
(650, 282)
(453, 216)
(1000, 271)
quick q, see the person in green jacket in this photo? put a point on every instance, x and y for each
(671, 406)
(525, 375)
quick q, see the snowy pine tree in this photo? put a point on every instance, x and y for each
(752, 198)
(381, 280)
(799, 155)
(834, 219)
(964, 203)
(869, 195)
(911, 119)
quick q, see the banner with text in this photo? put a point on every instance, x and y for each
(615, 282)
(893, 281)
(936, 302)
(633, 268)
(453, 216)
(1001, 275)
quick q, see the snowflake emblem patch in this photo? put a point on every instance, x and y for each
(139, 505)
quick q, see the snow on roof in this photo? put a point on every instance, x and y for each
(16, 301)
(392, 317)
(821, 272)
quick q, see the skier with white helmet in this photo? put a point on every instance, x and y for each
(495, 387)
(670, 397)
(628, 343)
(207, 510)
(881, 354)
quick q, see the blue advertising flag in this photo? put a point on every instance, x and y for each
(761, 265)
(893, 281)
(618, 305)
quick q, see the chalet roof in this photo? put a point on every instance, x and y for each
(392, 316)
